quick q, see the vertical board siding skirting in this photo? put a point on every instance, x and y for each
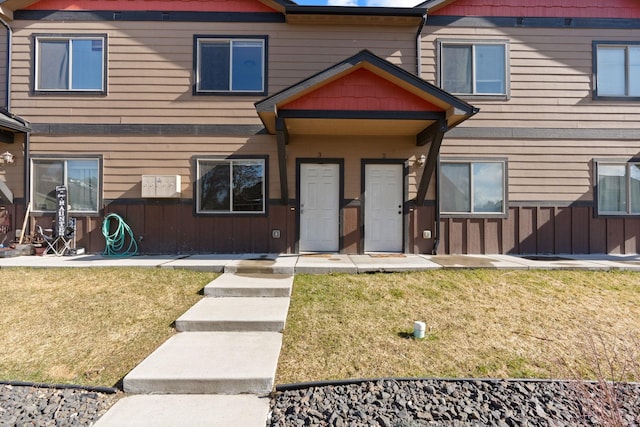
(541, 230)
(172, 228)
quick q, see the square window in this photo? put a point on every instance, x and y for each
(75, 64)
(231, 186)
(230, 65)
(618, 188)
(81, 176)
(473, 68)
(617, 70)
(472, 187)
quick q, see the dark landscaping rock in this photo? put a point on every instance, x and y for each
(429, 403)
(44, 407)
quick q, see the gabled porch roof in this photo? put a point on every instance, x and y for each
(365, 95)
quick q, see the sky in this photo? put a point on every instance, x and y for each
(370, 3)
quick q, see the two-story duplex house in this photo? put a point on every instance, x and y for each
(263, 126)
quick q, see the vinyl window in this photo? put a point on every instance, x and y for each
(81, 176)
(617, 70)
(469, 68)
(230, 65)
(473, 187)
(231, 186)
(70, 64)
(618, 188)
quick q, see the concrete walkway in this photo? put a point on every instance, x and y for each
(219, 369)
(332, 263)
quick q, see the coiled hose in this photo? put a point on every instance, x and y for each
(115, 241)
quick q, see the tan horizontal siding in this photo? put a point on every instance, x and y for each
(126, 158)
(550, 77)
(150, 75)
(539, 170)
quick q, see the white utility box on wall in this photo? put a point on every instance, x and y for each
(161, 186)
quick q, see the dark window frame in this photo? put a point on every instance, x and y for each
(441, 43)
(197, 38)
(196, 188)
(69, 37)
(470, 161)
(596, 190)
(64, 158)
(594, 56)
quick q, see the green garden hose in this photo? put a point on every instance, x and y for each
(115, 241)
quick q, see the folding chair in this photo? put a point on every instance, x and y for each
(58, 245)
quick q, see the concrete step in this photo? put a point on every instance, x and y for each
(193, 410)
(235, 314)
(250, 285)
(209, 363)
(263, 265)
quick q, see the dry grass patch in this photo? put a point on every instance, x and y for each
(480, 323)
(88, 326)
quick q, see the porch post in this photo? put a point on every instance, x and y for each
(435, 133)
(282, 137)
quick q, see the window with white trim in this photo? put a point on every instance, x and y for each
(230, 65)
(473, 187)
(474, 68)
(70, 63)
(230, 186)
(81, 176)
(617, 69)
(618, 188)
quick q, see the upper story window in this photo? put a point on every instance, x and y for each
(474, 68)
(618, 188)
(229, 66)
(70, 63)
(617, 70)
(473, 187)
(230, 185)
(80, 175)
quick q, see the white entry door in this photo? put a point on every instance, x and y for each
(319, 207)
(383, 213)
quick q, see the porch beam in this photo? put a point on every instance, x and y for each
(430, 133)
(435, 133)
(282, 136)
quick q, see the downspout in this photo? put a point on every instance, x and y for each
(27, 169)
(436, 228)
(419, 45)
(9, 47)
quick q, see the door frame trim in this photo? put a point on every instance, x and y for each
(405, 197)
(341, 204)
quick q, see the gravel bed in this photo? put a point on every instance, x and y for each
(417, 403)
(26, 406)
(385, 403)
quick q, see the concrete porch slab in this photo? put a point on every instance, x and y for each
(325, 263)
(187, 410)
(261, 263)
(213, 262)
(52, 261)
(235, 314)
(250, 285)
(613, 262)
(389, 263)
(209, 363)
(558, 262)
(476, 261)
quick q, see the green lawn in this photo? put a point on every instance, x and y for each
(88, 326)
(92, 326)
(480, 323)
